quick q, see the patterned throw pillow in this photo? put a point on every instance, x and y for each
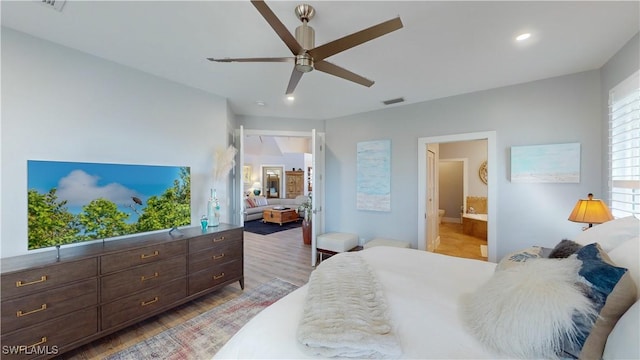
(519, 257)
(612, 292)
(261, 201)
(250, 203)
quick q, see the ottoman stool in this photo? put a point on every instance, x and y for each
(386, 242)
(335, 242)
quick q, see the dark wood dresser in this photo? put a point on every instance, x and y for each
(50, 306)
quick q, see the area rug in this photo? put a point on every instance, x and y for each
(258, 227)
(202, 336)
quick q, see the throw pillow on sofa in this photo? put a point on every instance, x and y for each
(260, 201)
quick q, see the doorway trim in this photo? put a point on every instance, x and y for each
(492, 199)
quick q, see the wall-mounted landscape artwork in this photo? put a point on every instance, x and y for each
(374, 175)
(555, 163)
(70, 202)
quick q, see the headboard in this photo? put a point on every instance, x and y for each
(479, 203)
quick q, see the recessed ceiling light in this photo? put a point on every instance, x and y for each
(522, 37)
(291, 97)
(261, 103)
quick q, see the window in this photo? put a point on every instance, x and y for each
(624, 148)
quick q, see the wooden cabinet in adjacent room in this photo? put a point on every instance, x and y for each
(100, 288)
(295, 183)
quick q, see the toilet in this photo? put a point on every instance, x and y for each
(440, 215)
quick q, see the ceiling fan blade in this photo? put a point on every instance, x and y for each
(268, 59)
(278, 26)
(293, 81)
(331, 48)
(336, 70)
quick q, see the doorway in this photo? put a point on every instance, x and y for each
(431, 143)
(315, 177)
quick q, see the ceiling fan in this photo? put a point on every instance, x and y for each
(307, 56)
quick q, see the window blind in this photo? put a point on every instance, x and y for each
(624, 148)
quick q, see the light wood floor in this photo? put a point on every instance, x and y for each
(453, 242)
(281, 255)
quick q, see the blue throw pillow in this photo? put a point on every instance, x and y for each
(612, 292)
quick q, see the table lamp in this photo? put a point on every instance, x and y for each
(590, 211)
(257, 188)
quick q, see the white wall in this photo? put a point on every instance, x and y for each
(475, 152)
(60, 104)
(558, 110)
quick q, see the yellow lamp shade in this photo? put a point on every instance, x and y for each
(591, 211)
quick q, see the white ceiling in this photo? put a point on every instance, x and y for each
(444, 49)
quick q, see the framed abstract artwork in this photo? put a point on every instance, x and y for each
(246, 174)
(373, 190)
(554, 163)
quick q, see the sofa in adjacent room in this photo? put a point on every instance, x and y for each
(255, 205)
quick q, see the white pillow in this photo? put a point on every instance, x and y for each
(526, 311)
(610, 234)
(627, 255)
(261, 201)
(623, 343)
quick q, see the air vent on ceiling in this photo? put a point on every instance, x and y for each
(393, 101)
(54, 4)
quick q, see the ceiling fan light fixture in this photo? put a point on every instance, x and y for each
(304, 63)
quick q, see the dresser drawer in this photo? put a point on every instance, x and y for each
(50, 336)
(141, 304)
(142, 277)
(211, 277)
(215, 256)
(145, 255)
(212, 240)
(31, 281)
(46, 305)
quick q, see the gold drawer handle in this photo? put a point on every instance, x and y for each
(218, 239)
(216, 277)
(155, 253)
(42, 341)
(145, 303)
(19, 313)
(216, 257)
(144, 278)
(21, 283)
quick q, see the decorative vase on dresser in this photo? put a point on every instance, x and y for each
(51, 306)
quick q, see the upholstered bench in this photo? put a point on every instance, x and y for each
(386, 242)
(335, 242)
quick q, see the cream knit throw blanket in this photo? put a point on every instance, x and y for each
(346, 313)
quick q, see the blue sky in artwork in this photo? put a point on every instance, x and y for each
(546, 159)
(80, 183)
(374, 167)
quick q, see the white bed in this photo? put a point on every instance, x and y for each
(423, 292)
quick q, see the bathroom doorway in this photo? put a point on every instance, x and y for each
(490, 155)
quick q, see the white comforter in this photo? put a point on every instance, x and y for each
(422, 291)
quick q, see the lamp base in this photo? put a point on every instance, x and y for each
(256, 192)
